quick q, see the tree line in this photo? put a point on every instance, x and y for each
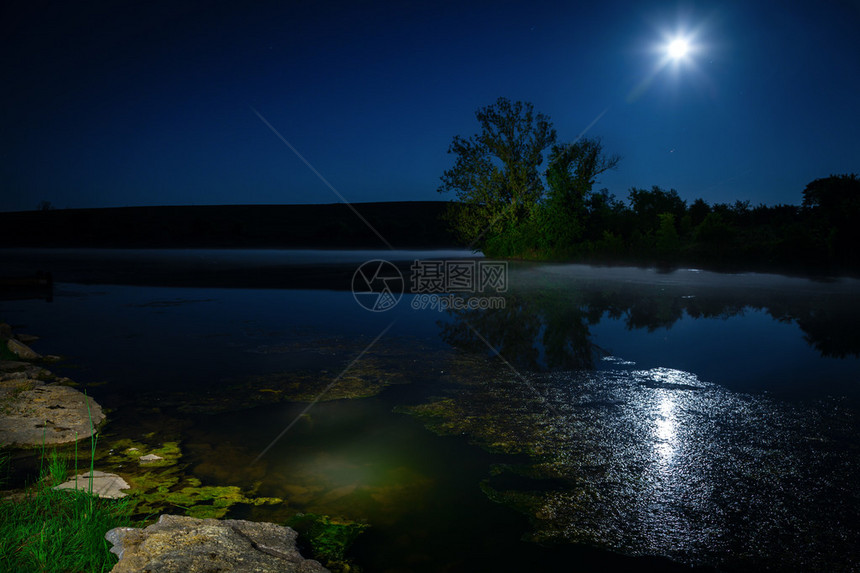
(508, 206)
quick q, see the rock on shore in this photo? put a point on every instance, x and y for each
(101, 484)
(33, 412)
(16, 343)
(178, 544)
(21, 350)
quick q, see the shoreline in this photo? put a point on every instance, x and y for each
(192, 268)
(265, 269)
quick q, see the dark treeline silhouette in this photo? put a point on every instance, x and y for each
(658, 224)
(404, 224)
(508, 205)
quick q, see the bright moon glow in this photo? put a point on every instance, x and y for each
(678, 49)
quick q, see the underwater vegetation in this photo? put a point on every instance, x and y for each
(164, 485)
(338, 379)
(167, 486)
(648, 462)
(328, 538)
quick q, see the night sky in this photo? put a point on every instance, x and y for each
(152, 103)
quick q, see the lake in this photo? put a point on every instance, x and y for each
(585, 417)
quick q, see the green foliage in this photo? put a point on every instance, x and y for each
(605, 214)
(714, 230)
(609, 244)
(496, 171)
(502, 206)
(526, 239)
(698, 211)
(648, 205)
(833, 205)
(837, 195)
(570, 176)
(668, 241)
(505, 211)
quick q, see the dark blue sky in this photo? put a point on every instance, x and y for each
(150, 103)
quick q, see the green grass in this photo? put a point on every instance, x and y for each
(58, 530)
(50, 530)
(4, 466)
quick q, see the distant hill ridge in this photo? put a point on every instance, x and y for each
(404, 224)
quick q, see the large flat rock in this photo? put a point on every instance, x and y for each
(21, 350)
(178, 544)
(103, 484)
(33, 412)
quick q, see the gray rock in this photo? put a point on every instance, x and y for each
(32, 413)
(14, 376)
(14, 369)
(10, 365)
(178, 544)
(26, 338)
(149, 458)
(21, 350)
(104, 484)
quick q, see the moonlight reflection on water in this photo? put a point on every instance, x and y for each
(665, 431)
(658, 462)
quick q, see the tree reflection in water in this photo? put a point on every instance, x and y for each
(657, 461)
(546, 326)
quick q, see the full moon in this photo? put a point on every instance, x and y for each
(677, 49)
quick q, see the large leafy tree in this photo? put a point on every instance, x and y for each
(649, 205)
(837, 196)
(572, 172)
(834, 206)
(496, 174)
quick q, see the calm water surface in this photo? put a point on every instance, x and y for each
(634, 417)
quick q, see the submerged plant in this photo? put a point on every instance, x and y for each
(159, 482)
(328, 538)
